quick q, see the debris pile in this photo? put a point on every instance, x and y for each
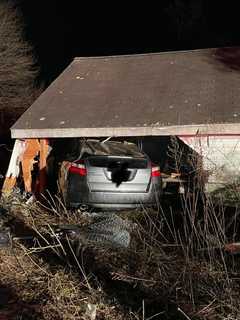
(105, 229)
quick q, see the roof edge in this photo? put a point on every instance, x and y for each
(135, 55)
(185, 130)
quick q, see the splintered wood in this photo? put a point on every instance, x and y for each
(24, 156)
(28, 158)
(14, 167)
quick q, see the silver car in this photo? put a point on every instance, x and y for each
(109, 174)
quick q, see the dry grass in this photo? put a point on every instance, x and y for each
(37, 291)
(176, 266)
(39, 279)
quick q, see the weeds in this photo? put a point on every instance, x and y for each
(175, 268)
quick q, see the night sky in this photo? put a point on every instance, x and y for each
(61, 30)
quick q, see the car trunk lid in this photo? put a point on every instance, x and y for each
(118, 174)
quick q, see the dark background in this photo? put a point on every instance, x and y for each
(61, 30)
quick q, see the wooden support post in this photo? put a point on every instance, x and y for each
(42, 164)
(9, 184)
(13, 168)
(24, 152)
(31, 151)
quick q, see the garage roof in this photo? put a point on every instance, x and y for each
(171, 93)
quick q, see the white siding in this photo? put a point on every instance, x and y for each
(221, 158)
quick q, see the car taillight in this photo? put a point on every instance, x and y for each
(78, 168)
(155, 172)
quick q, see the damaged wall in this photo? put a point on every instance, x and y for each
(221, 158)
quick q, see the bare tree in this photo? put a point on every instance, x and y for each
(17, 71)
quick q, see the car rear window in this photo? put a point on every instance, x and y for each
(106, 162)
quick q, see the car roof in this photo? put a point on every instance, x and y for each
(110, 148)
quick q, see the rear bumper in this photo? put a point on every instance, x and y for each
(113, 205)
(116, 206)
(129, 200)
(79, 193)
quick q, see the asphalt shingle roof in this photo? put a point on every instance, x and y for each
(180, 92)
